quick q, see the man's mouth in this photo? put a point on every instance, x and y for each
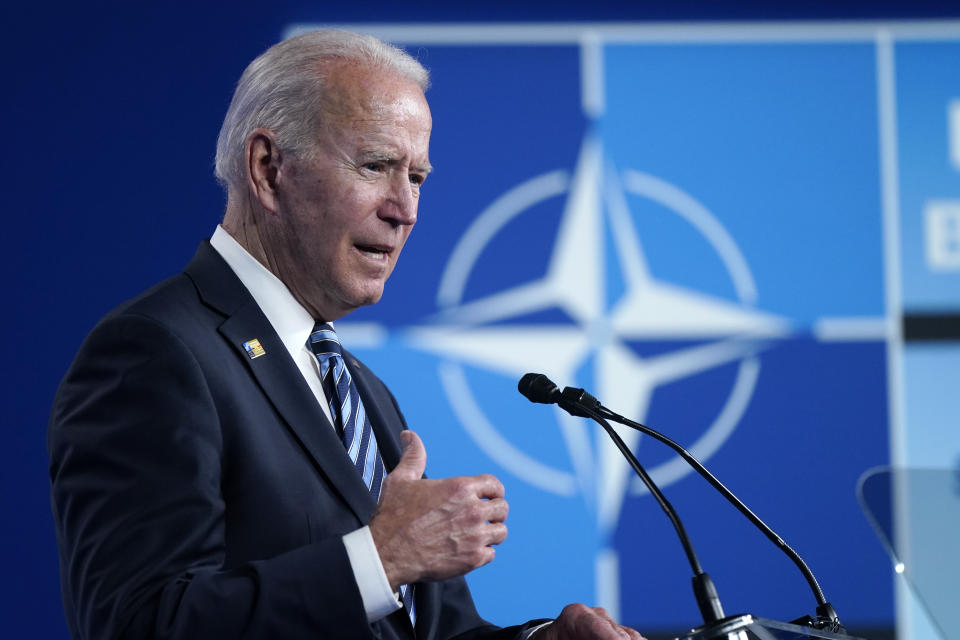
(376, 251)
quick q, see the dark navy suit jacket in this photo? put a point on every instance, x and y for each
(202, 493)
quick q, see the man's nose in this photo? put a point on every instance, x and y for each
(401, 205)
(403, 200)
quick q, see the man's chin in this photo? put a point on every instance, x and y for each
(370, 293)
(348, 304)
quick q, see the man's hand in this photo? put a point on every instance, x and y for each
(579, 622)
(435, 529)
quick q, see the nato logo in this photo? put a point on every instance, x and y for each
(490, 333)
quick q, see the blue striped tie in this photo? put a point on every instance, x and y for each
(351, 420)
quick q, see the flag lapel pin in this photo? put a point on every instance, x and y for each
(253, 348)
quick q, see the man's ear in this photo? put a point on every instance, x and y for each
(263, 167)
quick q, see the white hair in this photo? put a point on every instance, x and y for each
(283, 90)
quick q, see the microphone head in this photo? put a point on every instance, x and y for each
(537, 387)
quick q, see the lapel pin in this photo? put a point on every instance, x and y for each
(253, 348)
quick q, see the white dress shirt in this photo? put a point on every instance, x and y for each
(294, 325)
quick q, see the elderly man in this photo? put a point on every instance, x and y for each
(219, 463)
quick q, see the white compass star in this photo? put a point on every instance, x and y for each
(575, 283)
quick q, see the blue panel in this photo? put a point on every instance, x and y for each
(778, 141)
(927, 82)
(932, 402)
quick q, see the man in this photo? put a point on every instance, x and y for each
(219, 465)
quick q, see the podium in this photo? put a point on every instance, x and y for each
(916, 514)
(748, 627)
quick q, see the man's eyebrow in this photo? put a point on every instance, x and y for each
(380, 156)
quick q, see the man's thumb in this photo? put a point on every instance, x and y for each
(413, 461)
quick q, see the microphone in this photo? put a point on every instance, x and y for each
(569, 400)
(537, 387)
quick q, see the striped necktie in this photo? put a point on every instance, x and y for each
(352, 422)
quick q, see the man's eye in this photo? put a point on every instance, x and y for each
(373, 166)
(416, 179)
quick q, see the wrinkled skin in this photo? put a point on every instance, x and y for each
(435, 529)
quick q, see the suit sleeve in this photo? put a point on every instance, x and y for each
(459, 617)
(136, 461)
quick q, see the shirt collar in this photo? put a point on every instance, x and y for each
(289, 319)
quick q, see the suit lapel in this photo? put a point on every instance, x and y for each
(278, 376)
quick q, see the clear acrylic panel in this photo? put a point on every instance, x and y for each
(916, 514)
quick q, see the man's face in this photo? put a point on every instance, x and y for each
(344, 213)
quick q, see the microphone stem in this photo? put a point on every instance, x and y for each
(750, 515)
(704, 591)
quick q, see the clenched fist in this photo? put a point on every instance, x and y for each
(435, 529)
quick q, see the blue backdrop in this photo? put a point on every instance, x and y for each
(694, 226)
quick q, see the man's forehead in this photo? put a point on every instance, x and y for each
(360, 90)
